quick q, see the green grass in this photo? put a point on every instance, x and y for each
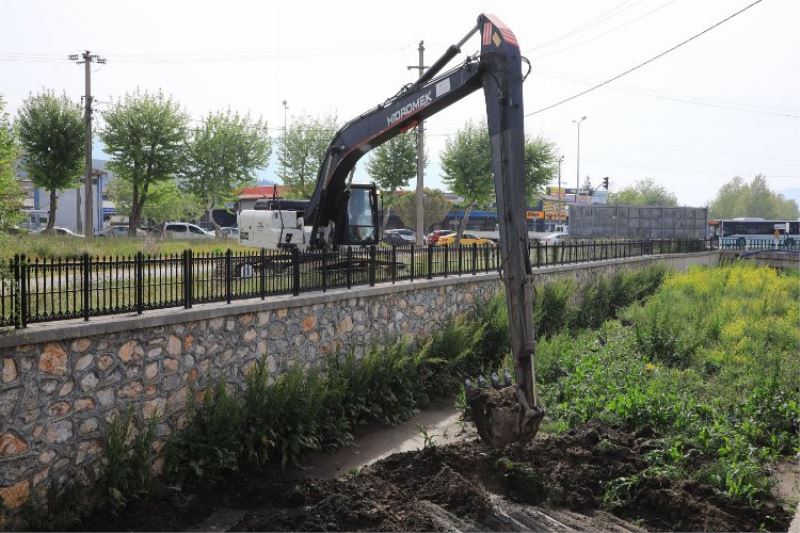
(709, 363)
(51, 246)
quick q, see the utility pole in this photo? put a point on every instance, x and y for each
(420, 157)
(560, 193)
(285, 107)
(87, 58)
(578, 173)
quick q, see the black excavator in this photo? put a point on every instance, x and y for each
(345, 214)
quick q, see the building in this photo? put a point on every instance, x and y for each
(69, 208)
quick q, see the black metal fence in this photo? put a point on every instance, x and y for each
(742, 243)
(42, 290)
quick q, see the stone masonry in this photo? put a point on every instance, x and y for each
(61, 384)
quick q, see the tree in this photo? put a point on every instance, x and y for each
(51, 134)
(467, 166)
(467, 169)
(434, 203)
(165, 201)
(392, 166)
(10, 192)
(645, 192)
(223, 156)
(740, 199)
(541, 165)
(302, 152)
(145, 135)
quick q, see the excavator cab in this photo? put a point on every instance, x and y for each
(357, 223)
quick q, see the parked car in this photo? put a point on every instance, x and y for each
(434, 236)
(399, 237)
(185, 230)
(61, 232)
(467, 239)
(229, 233)
(120, 231)
(554, 238)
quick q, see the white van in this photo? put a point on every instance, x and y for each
(184, 230)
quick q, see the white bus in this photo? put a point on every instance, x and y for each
(756, 233)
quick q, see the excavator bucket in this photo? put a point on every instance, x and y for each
(501, 413)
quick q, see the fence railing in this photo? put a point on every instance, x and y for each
(742, 243)
(36, 290)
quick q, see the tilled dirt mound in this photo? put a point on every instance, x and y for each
(555, 483)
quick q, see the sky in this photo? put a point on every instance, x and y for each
(725, 104)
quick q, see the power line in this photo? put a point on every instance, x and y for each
(616, 10)
(684, 99)
(611, 30)
(640, 65)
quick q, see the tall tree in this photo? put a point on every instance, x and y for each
(51, 134)
(392, 166)
(467, 166)
(224, 155)
(738, 198)
(541, 165)
(165, 201)
(435, 207)
(644, 192)
(302, 151)
(467, 169)
(10, 192)
(145, 135)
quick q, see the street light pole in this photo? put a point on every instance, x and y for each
(560, 193)
(283, 169)
(578, 173)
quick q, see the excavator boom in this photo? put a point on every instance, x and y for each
(339, 215)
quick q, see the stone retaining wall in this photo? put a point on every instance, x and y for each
(63, 383)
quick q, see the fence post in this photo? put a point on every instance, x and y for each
(21, 293)
(486, 266)
(138, 284)
(446, 259)
(474, 258)
(228, 274)
(262, 272)
(372, 266)
(349, 267)
(187, 279)
(324, 268)
(295, 271)
(394, 264)
(86, 262)
(460, 260)
(413, 262)
(430, 261)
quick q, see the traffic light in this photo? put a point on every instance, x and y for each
(605, 183)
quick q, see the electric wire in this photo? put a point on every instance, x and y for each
(640, 65)
(603, 34)
(588, 24)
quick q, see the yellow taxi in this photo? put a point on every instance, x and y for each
(467, 239)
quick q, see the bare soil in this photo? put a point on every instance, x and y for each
(553, 483)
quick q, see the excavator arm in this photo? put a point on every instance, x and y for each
(498, 70)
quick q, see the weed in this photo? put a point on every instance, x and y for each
(125, 475)
(428, 439)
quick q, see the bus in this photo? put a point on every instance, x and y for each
(756, 233)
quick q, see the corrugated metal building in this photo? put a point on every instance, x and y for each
(623, 222)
